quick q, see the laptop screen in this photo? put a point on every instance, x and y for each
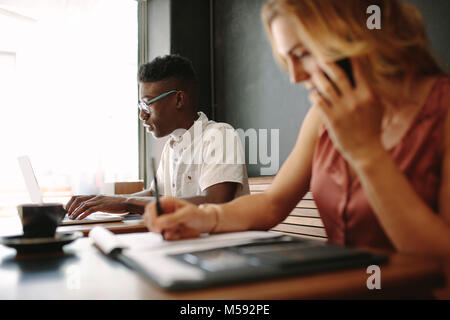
(30, 179)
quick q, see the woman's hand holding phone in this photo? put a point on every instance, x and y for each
(352, 114)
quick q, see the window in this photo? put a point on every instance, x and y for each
(68, 95)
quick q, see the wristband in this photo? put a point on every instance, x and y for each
(217, 212)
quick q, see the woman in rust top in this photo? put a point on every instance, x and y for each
(375, 154)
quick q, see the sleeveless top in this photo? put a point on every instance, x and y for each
(346, 213)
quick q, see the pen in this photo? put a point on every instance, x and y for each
(155, 181)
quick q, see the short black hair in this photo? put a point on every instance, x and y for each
(166, 67)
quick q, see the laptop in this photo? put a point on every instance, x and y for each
(36, 197)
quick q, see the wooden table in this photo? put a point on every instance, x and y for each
(82, 272)
(12, 226)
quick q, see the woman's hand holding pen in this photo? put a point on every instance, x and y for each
(179, 219)
(352, 114)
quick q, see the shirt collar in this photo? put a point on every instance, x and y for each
(178, 134)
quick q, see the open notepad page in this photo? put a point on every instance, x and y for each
(150, 241)
(150, 252)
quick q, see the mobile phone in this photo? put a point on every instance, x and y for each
(346, 65)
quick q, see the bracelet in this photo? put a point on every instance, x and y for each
(216, 209)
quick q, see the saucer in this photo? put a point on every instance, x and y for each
(37, 245)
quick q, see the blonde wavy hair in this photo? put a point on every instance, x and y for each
(399, 52)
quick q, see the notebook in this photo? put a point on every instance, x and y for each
(36, 197)
(227, 258)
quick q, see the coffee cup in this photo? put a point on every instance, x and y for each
(40, 220)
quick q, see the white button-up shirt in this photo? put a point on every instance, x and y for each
(196, 159)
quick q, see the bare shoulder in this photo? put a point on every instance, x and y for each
(312, 126)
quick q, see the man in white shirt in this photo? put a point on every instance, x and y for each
(202, 162)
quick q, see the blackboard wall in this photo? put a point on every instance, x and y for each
(437, 22)
(190, 37)
(250, 90)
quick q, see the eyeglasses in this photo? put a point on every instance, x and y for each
(145, 106)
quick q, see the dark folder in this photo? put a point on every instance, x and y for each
(271, 258)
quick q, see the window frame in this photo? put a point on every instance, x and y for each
(143, 53)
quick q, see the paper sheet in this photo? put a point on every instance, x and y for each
(150, 251)
(163, 269)
(145, 241)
